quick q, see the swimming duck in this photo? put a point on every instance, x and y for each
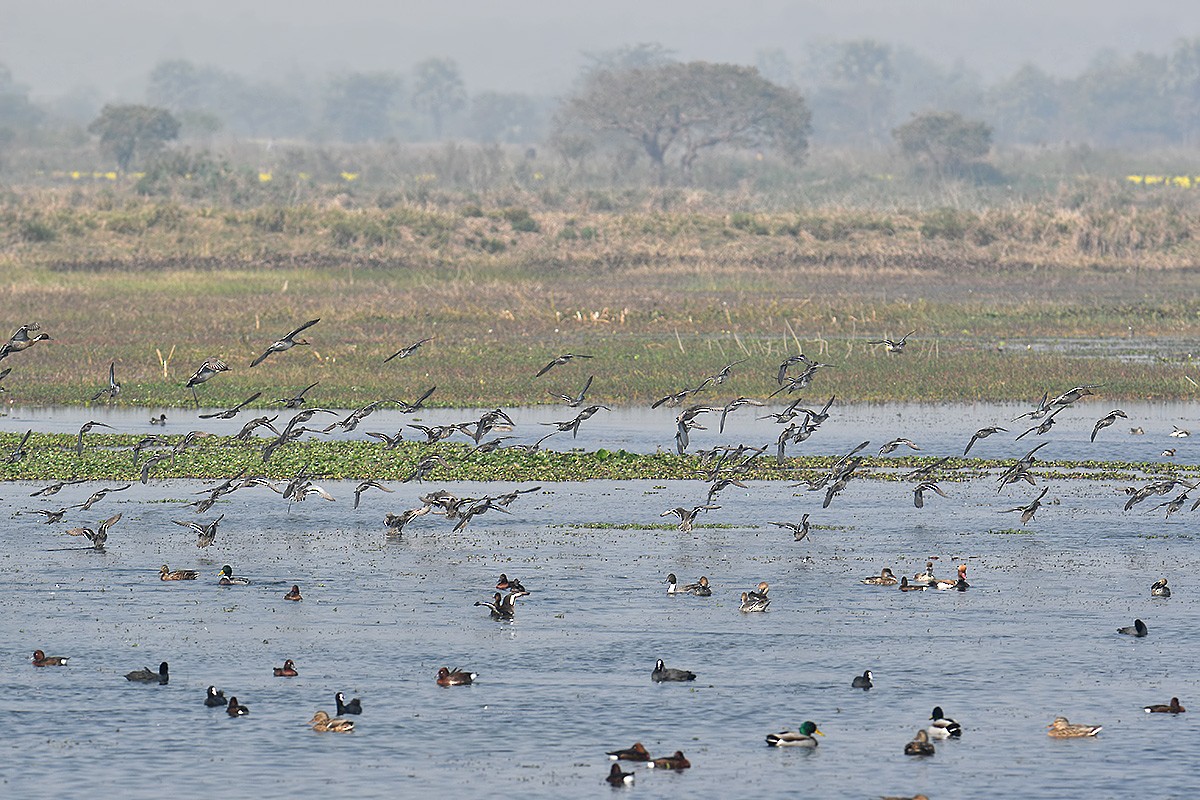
(455, 677)
(236, 709)
(884, 578)
(501, 608)
(760, 592)
(636, 753)
(699, 589)
(353, 707)
(1160, 589)
(905, 586)
(288, 670)
(294, 594)
(1061, 729)
(676, 761)
(925, 577)
(663, 673)
(956, 582)
(801, 738)
(862, 681)
(40, 659)
(1168, 453)
(162, 677)
(323, 723)
(215, 697)
(750, 605)
(161, 419)
(672, 584)
(942, 727)
(1138, 628)
(1179, 433)
(920, 746)
(1168, 708)
(165, 574)
(618, 778)
(506, 582)
(229, 579)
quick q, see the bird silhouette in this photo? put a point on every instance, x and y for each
(286, 343)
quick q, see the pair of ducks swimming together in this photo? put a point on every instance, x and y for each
(920, 581)
(638, 753)
(752, 601)
(940, 727)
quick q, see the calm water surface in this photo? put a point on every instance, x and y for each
(569, 679)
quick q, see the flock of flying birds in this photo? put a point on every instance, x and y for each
(720, 467)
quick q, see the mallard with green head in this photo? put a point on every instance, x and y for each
(801, 738)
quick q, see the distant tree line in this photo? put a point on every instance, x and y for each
(642, 101)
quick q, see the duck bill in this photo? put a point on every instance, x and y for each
(818, 732)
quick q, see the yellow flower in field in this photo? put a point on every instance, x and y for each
(264, 177)
(1154, 179)
(75, 175)
(112, 176)
(1182, 181)
(304, 176)
(349, 176)
(1134, 178)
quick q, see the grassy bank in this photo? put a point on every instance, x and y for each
(1006, 303)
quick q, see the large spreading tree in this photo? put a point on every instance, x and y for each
(126, 131)
(675, 111)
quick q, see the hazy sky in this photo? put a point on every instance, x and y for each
(534, 45)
